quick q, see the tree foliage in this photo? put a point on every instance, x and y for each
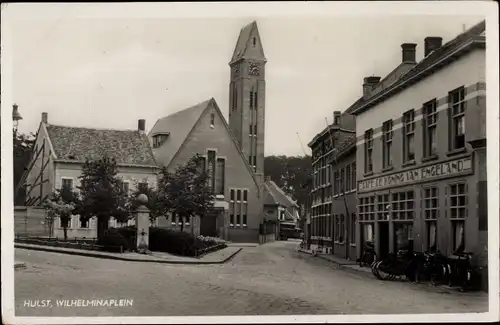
(292, 174)
(22, 150)
(186, 192)
(62, 205)
(156, 203)
(102, 194)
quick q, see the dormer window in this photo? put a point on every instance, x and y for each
(159, 139)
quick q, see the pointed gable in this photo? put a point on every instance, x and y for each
(176, 127)
(245, 47)
(276, 196)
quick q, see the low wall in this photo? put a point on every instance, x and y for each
(31, 221)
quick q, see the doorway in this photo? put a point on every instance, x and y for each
(208, 224)
(383, 235)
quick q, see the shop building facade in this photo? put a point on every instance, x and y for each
(421, 153)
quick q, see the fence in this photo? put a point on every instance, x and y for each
(32, 221)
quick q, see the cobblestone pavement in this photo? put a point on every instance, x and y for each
(271, 279)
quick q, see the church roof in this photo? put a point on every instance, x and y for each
(276, 196)
(178, 126)
(240, 50)
(76, 144)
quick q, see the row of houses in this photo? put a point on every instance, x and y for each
(247, 207)
(405, 164)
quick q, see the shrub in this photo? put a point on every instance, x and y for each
(112, 240)
(130, 235)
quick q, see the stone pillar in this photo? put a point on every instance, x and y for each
(142, 224)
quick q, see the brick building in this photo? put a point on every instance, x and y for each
(330, 216)
(421, 151)
(233, 150)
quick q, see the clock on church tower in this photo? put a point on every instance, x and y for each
(247, 96)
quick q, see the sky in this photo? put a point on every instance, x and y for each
(110, 72)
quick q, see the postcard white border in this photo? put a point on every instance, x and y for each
(254, 10)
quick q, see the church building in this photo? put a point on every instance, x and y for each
(233, 150)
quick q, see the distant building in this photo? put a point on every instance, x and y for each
(421, 151)
(279, 206)
(59, 154)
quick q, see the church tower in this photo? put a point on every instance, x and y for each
(247, 96)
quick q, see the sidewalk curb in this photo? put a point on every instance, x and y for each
(110, 257)
(19, 265)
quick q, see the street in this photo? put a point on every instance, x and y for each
(271, 279)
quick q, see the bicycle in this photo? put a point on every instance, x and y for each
(369, 256)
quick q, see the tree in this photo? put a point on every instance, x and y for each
(22, 150)
(291, 174)
(102, 195)
(61, 204)
(186, 192)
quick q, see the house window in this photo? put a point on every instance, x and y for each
(348, 178)
(238, 195)
(342, 229)
(245, 195)
(235, 98)
(220, 176)
(403, 205)
(383, 207)
(159, 139)
(254, 41)
(353, 228)
(354, 185)
(430, 128)
(254, 162)
(409, 136)
(212, 119)
(342, 177)
(255, 130)
(368, 232)
(244, 220)
(458, 213)
(369, 151)
(387, 143)
(431, 203)
(231, 219)
(457, 118)
(126, 187)
(367, 208)
(403, 235)
(255, 101)
(211, 169)
(84, 223)
(67, 183)
(251, 130)
(232, 194)
(431, 229)
(337, 228)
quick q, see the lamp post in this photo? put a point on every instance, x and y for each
(16, 117)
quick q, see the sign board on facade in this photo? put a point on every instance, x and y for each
(422, 174)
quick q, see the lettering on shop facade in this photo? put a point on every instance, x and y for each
(422, 174)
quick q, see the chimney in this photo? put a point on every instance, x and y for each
(141, 126)
(409, 52)
(336, 117)
(368, 84)
(45, 117)
(432, 43)
(16, 116)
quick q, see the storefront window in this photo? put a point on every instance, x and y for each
(403, 235)
(431, 236)
(368, 232)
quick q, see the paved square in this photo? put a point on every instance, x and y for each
(271, 279)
